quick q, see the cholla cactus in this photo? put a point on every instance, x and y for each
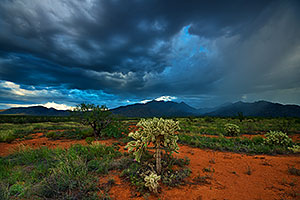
(232, 130)
(294, 149)
(277, 138)
(160, 132)
(152, 182)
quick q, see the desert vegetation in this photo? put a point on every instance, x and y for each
(68, 158)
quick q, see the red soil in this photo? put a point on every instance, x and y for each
(268, 177)
(236, 176)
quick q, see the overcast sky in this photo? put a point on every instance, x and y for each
(117, 52)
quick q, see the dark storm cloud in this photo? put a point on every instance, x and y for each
(195, 50)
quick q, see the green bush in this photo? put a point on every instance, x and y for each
(7, 136)
(277, 138)
(16, 189)
(21, 133)
(89, 140)
(232, 130)
(53, 135)
(116, 129)
(257, 140)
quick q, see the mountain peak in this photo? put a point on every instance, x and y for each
(156, 108)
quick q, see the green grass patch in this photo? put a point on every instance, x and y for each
(57, 173)
(239, 145)
(249, 125)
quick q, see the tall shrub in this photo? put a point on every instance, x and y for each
(98, 117)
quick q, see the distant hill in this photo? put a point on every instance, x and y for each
(156, 109)
(174, 109)
(35, 110)
(170, 109)
(259, 109)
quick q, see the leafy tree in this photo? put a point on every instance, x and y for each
(98, 117)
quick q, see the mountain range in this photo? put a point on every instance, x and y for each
(35, 110)
(174, 109)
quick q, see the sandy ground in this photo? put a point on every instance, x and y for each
(235, 176)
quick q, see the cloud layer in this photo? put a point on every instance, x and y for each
(115, 52)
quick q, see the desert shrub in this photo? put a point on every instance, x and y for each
(257, 140)
(53, 135)
(136, 172)
(208, 119)
(121, 164)
(17, 189)
(7, 136)
(20, 133)
(175, 178)
(294, 149)
(277, 138)
(89, 140)
(231, 144)
(84, 132)
(116, 129)
(76, 133)
(93, 165)
(231, 130)
(66, 179)
(95, 151)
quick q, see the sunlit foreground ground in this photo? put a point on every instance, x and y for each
(214, 174)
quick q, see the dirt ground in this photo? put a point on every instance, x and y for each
(233, 176)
